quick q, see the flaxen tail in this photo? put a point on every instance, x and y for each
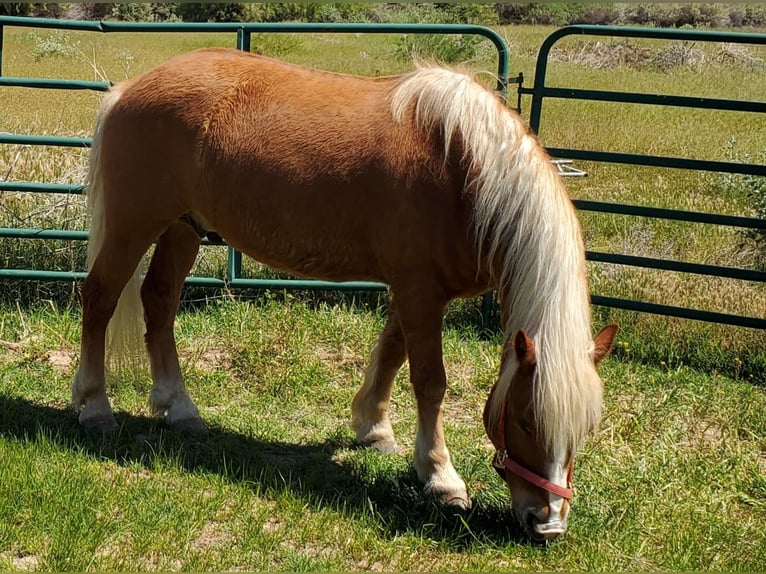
(125, 332)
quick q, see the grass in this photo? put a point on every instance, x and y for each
(674, 479)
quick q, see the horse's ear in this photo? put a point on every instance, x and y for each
(524, 348)
(603, 342)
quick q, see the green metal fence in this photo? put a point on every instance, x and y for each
(539, 92)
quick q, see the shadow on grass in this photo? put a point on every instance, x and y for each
(309, 471)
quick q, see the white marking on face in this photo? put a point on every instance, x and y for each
(558, 472)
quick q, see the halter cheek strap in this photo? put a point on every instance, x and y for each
(503, 463)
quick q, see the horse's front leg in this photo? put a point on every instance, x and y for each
(421, 321)
(370, 406)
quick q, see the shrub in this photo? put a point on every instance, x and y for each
(278, 12)
(55, 44)
(467, 13)
(549, 14)
(14, 9)
(145, 11)
(89, 11)
(448, 49)
(604, 15)
(211, 12)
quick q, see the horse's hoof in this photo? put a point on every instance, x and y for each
(99, 423)
(379, 437)
(190, 425)
(387, 446)
(457, 503)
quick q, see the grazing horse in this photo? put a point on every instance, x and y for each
(425, 181)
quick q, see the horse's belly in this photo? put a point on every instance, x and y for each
(302, 253)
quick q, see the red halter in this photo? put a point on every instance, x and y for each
(503, 462)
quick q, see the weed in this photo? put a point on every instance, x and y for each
(55, 44)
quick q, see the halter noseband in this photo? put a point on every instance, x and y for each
(503, 463)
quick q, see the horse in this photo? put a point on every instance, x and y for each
(424, 181)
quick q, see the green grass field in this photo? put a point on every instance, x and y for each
(675, 478)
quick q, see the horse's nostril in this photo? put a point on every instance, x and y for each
(529, 518)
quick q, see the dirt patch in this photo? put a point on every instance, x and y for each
(213, 535)
(62, 360)
(26, 562)
(272, 525)
(11, 346)
(703, 437)
(364, 564)
(211, 359)
(342, 358)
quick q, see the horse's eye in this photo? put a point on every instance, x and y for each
(525, 427)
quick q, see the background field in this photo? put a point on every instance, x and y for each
(674, 479)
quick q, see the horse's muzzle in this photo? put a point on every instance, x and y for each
(548, 530)
(542, 531)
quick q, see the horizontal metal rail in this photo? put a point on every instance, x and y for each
(680, 312)
(32, 187)
(27, 233)
(680, 266)
(670, 214)
(59, 141)
(243, 282)
(652, 99)
(659, 161)
(53, 84)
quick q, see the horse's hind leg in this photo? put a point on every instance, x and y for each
(420, 316)
(161, 292)
(370, 405)
(110, 272)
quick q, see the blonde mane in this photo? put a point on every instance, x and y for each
(528, 235)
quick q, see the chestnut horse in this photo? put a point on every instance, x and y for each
(426, 182)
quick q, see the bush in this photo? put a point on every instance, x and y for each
(57, 43)
(14, 9)
(145, 11)
(211, 12)
(447, 49)
(89, 11)
(548, 14)
(459, 13)
(278, 12)
(603, 15)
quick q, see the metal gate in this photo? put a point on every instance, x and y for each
(542, 91)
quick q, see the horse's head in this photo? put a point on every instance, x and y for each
(538, 471)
